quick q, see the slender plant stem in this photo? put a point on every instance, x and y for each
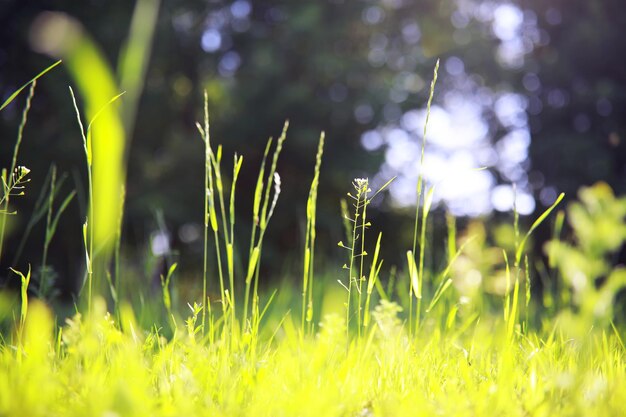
(420, 189)
(362, 255)
(90, 224)
(255, 225)
(46, 242)
(265, 215)
(354, 229)
(16, 148)
(207, 173)
(118, 243)
(88, 229)
(309, 242)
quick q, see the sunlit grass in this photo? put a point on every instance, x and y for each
(93, 366)
(418, 341)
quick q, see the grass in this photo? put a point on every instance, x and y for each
(95, 367)
(409, 341)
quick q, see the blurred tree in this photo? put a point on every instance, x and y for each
(346, 67)
(576, 90)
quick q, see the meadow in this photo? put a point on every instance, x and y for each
(359, 340)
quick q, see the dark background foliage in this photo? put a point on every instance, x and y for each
(345, 67)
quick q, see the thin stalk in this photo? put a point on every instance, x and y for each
(207, 175)
(46, 243)
(362, 255)
(420, 185)
(420, 273)
(216, 160)
(361, 186)
(53, 221)
(361, 201)
(351, 268)
(210, 216)
(39, 211)
(230, 244)
(373, 279)
(255, 294)
(88, 229)
(16, 148)
(89, 222)
(266, 214)
(309, 243)
(527, 287)
(205, 252)
(258, 192)
(88, 226)
(228, 224)
(117, 250)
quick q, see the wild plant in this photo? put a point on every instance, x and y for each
(263, 209)
(90, 221)
(13, 185)
(309, 244)
(113, 135)
(416, 272)
(415, 268)
(514, 278)
(359, 223)
(473, 366)
(52, 221)
(585, 267)
(14, 180)
(262, 213)
(210, 216)
(167, 298)
(25, 279)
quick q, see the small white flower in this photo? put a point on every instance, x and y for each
(22, 170)
(361, 185)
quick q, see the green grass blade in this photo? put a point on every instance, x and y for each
(540, 219)
(438, 293)
(19, 90)
(134, 57)
(53, 225)
(24, 293)
(414, 279)
(254, 259)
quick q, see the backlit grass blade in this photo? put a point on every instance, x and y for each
(371, 282)
(383, 187)
(451, 226)
(420, 178)
(536, 223)
(25, 280)
(256, 208)
(413, 277)
(438, 293)
(19, 90)
(54, 223)
(134, 56)
(507, 291)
